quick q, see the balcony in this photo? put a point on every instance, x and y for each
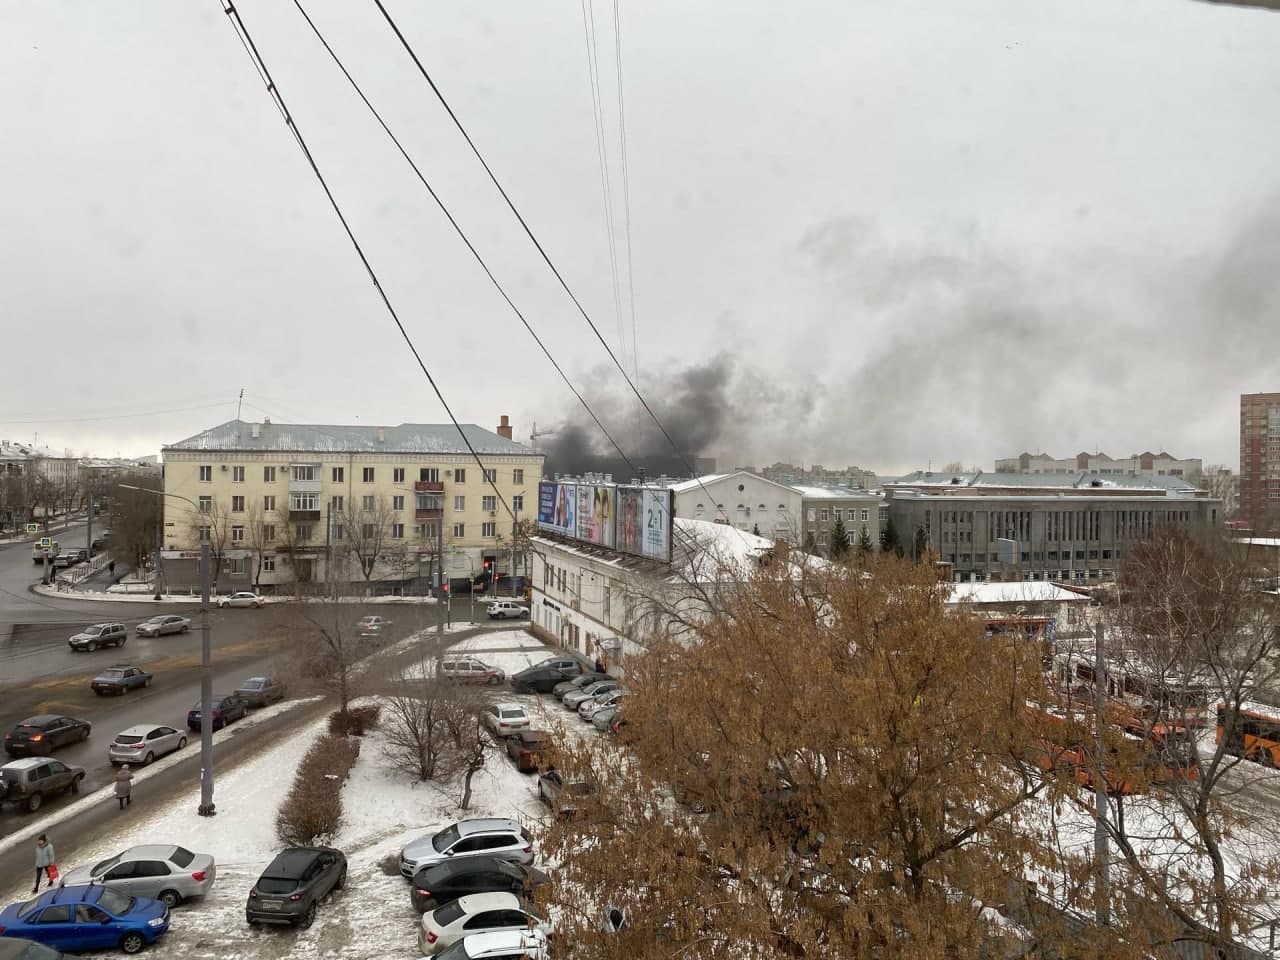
(428, 486)
(428, 514)
(303, 486)
(304, 516)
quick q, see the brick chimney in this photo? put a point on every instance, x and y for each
(504, 428)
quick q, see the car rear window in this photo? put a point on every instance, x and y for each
(276, 885)
(128, 738)
(512, 714)
(111, 674)
(24, 732)
(181, 856)
(114, 902)
(251, 685)
(449, 913)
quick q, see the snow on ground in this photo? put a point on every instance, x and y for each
(382, 810)
(510, 650)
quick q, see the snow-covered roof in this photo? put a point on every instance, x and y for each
(831, 493)
(1259, 541)
(1019, 591)
(326, 438)
(686, 485)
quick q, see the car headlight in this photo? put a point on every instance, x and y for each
(157, 921)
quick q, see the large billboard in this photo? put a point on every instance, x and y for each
(634, 520)
(644, 522)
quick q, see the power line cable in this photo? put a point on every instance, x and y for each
(246, 40)
(408, 47)
(458, 230)
(120, 416)
(626, 185)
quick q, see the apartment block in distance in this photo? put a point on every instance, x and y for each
(1259, 503)
(285, 504)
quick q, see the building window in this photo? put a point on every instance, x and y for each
(336, 531)
(268, 532)
(397, 531)
(459, 530)
(338, 474)
(235, 564)
(237, 534)
(489, 529)
(304, 471)
(237, 474)
(368, 531)
(429, 475)
(268, 564)
(866, 515)
(206, 474)
(303, 533)
(490, 476)
(269, 503)
(489, 503)
(397, 474)
(428, 531)
(204, 534)
(336, 503)
(460, 475)
(459, 504)
(824, 514)
(268, 474)
(397, 503)
(517, 502)
(206, 504)
(837, 513)
(368, 504)
(517, 476)
(366, 474)
(237, 504)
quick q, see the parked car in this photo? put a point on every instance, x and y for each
(99, 635)
(526, 748)
(119, 679)
(294, 883)
(242, 598)
(499, 945)
(574, 698)
(436, 885)
(560, 793)
(12, 948)
(42, 546)
(227, 708)
(145, 742)
(260, 691)
(577, 683)
(40, 735)
(506, 610)
(91, 917)
(32, 780)
(483, 836)
(542, 677)
(69, 558)
(505, 718)
(162, 871)
(165, 623)
(588, 708)
(372, 626)
(602, 719)
(469, 670)
(475, 914)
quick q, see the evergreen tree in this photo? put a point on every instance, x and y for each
(889, 542)
(921, 544)
(839, 540)
(864, 542)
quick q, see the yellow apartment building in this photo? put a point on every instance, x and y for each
(382, 508)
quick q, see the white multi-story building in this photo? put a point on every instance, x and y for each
(1146, 464)
(285, 504)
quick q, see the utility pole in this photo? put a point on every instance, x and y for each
(89, 532)
(1101, 838)
(206, 808)
(515, 533)
(440, 570)
(159, 541)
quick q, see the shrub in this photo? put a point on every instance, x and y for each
(355, 722)
(312, 809)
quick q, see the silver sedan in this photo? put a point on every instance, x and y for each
(165, 623)
(163, 871)
(144, 743)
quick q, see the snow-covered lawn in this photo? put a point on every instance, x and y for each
(372, 917)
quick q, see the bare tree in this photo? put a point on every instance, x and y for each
(213, 524)
(368, 527)
(426, 727)
(134, 516)
(472, 744)
(262, 527)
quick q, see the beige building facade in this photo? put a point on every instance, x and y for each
(383, 508)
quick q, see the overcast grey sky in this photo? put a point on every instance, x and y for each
(930, 229)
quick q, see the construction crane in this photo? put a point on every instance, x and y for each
(536, 433)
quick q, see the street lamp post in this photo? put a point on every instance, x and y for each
(207, 807)
(471, 584)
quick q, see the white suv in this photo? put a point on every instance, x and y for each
(500, 945)
(502, 609)
(483, 836)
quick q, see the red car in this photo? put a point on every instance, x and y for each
(526, 749)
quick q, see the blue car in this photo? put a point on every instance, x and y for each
(86, 917)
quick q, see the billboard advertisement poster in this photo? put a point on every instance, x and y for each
(596, 513)
(583, 512)
(644, 522)
(557, 503)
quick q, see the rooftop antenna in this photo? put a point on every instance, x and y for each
(238, 402)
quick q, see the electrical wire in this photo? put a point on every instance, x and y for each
(408, 47)
(120, 416)
(246, 40)
(626, 185)
(458, 230)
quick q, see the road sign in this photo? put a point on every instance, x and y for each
(46, 542)
(33, 528)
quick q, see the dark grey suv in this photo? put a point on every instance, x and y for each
(31, 780)
(293, 883)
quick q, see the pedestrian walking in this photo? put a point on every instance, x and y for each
(124, 783)
(111, 568)
(600, 664)
(46, 862)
